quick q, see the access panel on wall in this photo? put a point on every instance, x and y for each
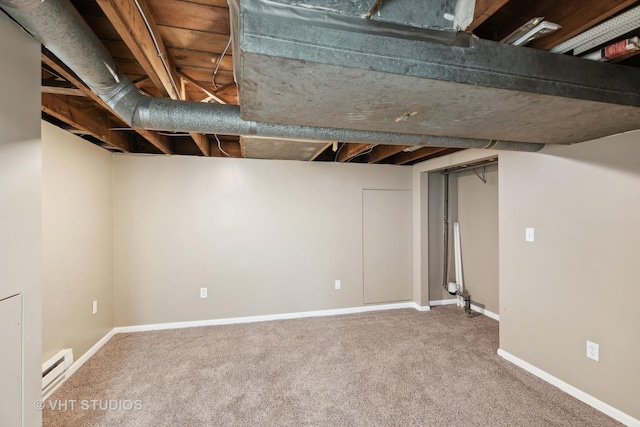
(11, 361)
(386, 245)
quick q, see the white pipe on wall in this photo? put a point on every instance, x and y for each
(458, 261)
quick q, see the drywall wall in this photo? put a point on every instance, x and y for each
(477, 213)
(421, 249)
(20, 205)
(435, 215)
(579, 280)
(474, 204)
(386, 245)
(77, 239)
(264, 236)
(427, 220)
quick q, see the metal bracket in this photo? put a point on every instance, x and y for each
(482, 177)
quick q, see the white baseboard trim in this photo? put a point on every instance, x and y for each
(571, 390)
(487, 313)
(474, 307)
(442, 302)
(80, 361)
(421, 307)
(268, 317)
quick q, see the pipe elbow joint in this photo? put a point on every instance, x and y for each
(125, 100)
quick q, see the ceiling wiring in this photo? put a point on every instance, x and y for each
(157, 46)
(220, 146)
(338, 152)
(361, 154)
(215, 71)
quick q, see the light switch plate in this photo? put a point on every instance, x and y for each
(529, 234)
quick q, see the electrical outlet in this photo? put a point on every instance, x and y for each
(95, 306)
(338, 285)
(203, 292)
(593, 351)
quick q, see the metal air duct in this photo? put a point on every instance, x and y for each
(61, 29)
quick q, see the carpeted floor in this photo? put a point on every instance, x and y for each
(388, 368)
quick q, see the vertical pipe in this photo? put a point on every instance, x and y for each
(458, 259)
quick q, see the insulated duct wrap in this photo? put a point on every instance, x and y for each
(169, 115)
(61, 29)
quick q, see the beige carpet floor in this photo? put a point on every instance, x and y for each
(389, 368)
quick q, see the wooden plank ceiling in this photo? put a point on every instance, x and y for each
(174, 49)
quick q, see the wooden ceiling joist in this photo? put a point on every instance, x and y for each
(209, 94)
(192, 15)
(63, 91)
(381, 152)
(160, 142)
(226, 87)
(484, 9)
(233, 149)
(131, 26)
(82, 114)
(403, 158)
(352, 150)
(202, 142)
(56, 86)
(139, 32)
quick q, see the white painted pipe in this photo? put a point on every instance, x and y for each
(461, 279)
(458, 261)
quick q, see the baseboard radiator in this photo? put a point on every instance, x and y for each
(54, 370)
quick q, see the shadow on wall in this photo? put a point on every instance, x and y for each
(604, 152)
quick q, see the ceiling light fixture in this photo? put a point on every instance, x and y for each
(603, 33)
(533, 29)
(620, 50)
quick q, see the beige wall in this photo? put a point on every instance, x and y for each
(263, 236)
(478, 216)
(435, 215)
(386, 245)
(421, 242)
(20, 202)
(77, 238)
(479, 205)
(579, 280)
(475, 205)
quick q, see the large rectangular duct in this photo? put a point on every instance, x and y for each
(302, 63)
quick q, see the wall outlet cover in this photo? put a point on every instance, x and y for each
(593, 351)
(203, 292)
(95, 307)
(338, 285)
